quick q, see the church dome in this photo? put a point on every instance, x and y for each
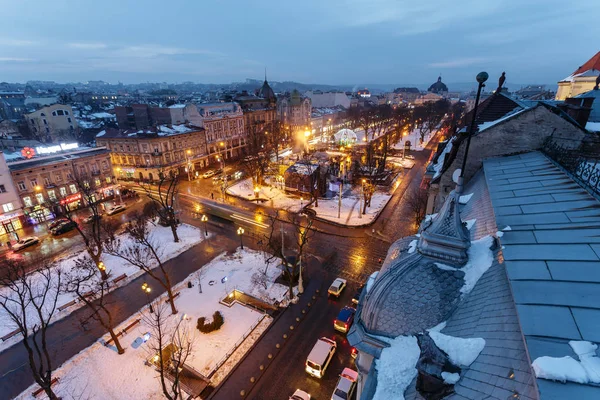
(438, 87)
(409, 296)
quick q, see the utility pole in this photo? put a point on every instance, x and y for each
(340, 198)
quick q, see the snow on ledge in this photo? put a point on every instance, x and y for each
(586, 370)
(465, 199)
(470, 223)
(396, 367)
(480, 260)
(371, 280)
(560, 369)
(450, 378)
(412, 246)
(462, 351)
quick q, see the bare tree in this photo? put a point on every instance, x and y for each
(164, 198)
(258, 149)
(84, 282)
(417, 202)
(96, 231)
(170, 347)
(143, 253)
(368, 189)
(30, 301)
(297, 239)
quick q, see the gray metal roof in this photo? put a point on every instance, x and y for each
(489, 313)
(552, 258)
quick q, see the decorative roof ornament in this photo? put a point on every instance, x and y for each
(445, 237)
(501, 82)
(597, 82)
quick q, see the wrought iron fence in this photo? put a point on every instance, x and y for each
(583, 168)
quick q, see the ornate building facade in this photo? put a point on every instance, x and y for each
(294, 111)
(143, 154)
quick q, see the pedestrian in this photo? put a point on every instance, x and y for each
(212, 195)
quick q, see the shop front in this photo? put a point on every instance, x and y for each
(10, 223)
(38, 214)
(72, 202)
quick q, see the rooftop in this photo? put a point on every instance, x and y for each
(160, 130)
(16, 163)
(552, 258)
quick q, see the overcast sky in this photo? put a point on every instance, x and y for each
(311, 41)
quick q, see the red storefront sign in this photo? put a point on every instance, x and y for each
(71, 198)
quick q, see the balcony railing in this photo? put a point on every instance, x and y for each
(585, 169)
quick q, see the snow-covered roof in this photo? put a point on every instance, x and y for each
(161, 130)
(178, 106)
(486, 125)
(552, 260)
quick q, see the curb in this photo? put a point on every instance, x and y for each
(226, 378)
(262, 368)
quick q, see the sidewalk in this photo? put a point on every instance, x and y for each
(239, 378)
(66, 338)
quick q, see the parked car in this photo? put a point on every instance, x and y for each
(64, 228)
(337, 287)
(300, 395)
(344, 320)
(90, 218)
(320, 356)
(409, 157)
(353, 352)
(56, 223)
(356, 297)
(346, 385)
(208, 174)
(25, 242)
(116, 209)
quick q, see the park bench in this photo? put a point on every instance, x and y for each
(65, 306)
(124, 331)
(10, 334)
(119, 278)
(40, 390)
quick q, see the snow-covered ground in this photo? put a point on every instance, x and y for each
(188, 237)
(350, 209)
(277, 198)
(92, 373)
(415, 140)
(403, 162)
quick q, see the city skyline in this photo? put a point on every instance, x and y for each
(338, 42)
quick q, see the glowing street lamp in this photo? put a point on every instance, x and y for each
(102, 269)
(147, 289)
(301, 200)
(240, 232)
(256, 191)
(204, 219)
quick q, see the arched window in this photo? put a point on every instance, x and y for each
(42, 115)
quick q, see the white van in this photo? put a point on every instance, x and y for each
(320, 356)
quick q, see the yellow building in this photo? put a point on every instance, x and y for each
(581, 81)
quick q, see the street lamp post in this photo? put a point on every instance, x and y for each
(300, 282)
(240, 232)
(306, 135)
(102, 269)
(189, 164)
(204, 219)
(301, 200)
(147, 289)
(481, 78)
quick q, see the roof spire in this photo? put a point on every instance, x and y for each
(265, 74)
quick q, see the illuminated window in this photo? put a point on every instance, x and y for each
(73, 189)
(63, 191)
(27, 201)
(51, 195)
(40, 198)
(8, 207)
